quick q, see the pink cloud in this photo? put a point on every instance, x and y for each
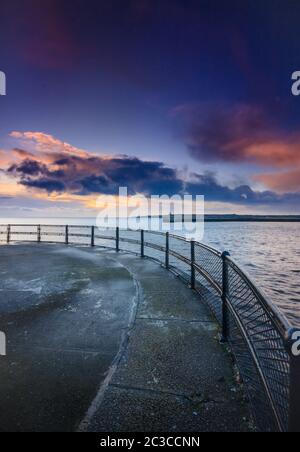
(242, 134)
(47, 144)
(281, 182)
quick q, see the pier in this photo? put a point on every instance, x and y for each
(113, 331)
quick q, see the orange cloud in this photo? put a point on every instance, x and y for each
(242, 134)
(44, 143)
(281, 182)
(277, 153)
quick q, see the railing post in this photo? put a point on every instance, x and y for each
(93, 236)
(142, 243)
(67, 236)
(225, 293)
(117, 239)
(8, 233)
(39, 234)
(193, 278)
(167, 251)
(294, 383)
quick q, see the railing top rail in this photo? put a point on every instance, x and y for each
(35, 225)
(27, 225)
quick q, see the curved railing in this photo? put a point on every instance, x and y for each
(259, 335)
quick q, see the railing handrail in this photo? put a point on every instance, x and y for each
(274, 318)
(284, 324)
(243, 273)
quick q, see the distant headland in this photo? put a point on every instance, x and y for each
(242, 218)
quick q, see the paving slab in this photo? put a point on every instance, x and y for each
(178, 357)
(163, 295)
(129, 410)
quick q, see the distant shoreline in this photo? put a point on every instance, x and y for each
(244, 219)
(251, 220)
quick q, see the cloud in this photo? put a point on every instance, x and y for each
(46, 143)
(55, 166)
(238, 133)
(215, 192)
(98, 175)
(63, 172)
(281, 182)
(50, 185)
(28, 167)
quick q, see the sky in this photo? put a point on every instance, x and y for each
(163, 97)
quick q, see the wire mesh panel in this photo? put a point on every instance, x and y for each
(266, 344)
(180, 256)
(53, 234)
(155, 244)
(3, 233)
(180, 246)
(80, 235)
(24, 233)
(210, 262)
(130, 241)
(257, 396)
(105, 238)
(209, 295)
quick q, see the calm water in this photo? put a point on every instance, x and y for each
(268, 252)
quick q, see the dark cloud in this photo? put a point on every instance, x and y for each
(223, 133)
(50, 185)
(144, 177)
(238, 133)
(28, 168)
(98, 184)
(85, 175)
(37, 175)
(208, 186)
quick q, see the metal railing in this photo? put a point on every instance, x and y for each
(259, 335)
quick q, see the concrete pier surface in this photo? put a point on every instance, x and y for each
(108, 342)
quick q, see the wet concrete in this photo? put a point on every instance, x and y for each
(173, 376)
(65, 312)
(99, 341)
